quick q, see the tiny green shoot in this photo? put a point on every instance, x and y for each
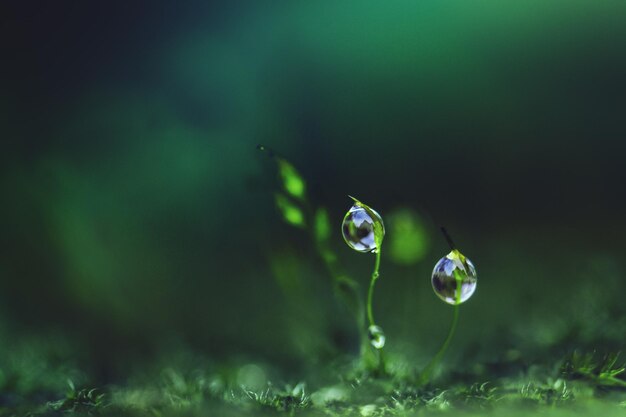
(296, 210)
(363, 230)
(461, 269)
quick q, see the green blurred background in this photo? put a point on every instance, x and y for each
(136, 212)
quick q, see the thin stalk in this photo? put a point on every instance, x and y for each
(370, 293)
(448, 238)
(345, 288)
(427, 372)
(370, 312)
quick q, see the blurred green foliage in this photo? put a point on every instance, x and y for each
(291, 213)
(408, 241)
(137, 214)
(292, 181)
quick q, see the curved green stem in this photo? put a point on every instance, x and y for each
(370, 293)
(427, 372)
(370, 312)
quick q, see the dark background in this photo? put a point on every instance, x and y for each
(136, 212)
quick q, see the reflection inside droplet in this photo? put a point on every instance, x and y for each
(358, 228)
(454, 278)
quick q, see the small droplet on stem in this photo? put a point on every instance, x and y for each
(376, 336)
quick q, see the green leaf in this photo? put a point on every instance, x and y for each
(291, 212)
(293, 183)
(322, 225)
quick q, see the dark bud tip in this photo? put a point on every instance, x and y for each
(264, 148)
(448, 238)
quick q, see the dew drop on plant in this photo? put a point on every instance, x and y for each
(454, 278)
(358, 228)
(376, 336)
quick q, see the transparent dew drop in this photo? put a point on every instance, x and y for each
(454, 278)
(358, 228)
(376, 336)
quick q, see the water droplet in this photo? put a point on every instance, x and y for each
(376, 336)
(454, 278)
(358, 228)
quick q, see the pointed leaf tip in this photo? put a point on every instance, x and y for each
(293, 183)
(292, 214)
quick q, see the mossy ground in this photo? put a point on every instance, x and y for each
(189, 384)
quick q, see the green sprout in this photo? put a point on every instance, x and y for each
(604, 373)
(453, 279)
(293, 204)
(454, 282)
(85, 401)
(363, 230)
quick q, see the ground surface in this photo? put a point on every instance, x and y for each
(187, 384)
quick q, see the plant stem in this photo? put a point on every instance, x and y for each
(448, 238)
(424, 378)
(370, 293)
(426, 373)
(370, 313)
(346, 289)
